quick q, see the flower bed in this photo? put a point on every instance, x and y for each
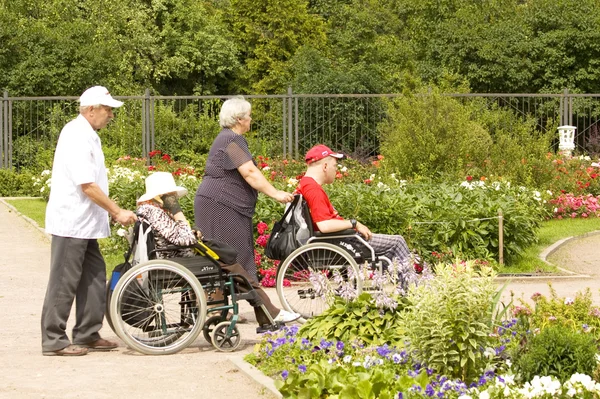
(450, 338)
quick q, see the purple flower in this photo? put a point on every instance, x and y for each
(339, 346)
(284, 374)
(302, 368)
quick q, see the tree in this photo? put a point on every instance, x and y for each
(269, 33)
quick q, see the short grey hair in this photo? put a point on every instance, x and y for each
(84, 108)
(232, 110)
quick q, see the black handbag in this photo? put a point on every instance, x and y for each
(227, 254)
(291, 232)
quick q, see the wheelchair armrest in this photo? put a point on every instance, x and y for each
(347, 232)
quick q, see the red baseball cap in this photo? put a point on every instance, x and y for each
(319, 152)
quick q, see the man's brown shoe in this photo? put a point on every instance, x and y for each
(101, 345)
(71, 350)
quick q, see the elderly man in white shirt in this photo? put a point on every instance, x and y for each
(76, 216)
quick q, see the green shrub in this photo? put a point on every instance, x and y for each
(428, 134)
(360, 320)
(557, 351)
(448, 320)
(445, 217)
(15, 184)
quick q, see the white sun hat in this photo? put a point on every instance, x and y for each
(98, 95)
(160, 183)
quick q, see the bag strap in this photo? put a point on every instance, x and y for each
(293, 204)
(136, 236)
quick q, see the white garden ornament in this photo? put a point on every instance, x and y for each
(566, 135)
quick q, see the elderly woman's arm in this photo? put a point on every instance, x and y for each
(257, 180)
(177, 232)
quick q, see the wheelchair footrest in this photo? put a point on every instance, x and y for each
(269, 327)
(250, 296)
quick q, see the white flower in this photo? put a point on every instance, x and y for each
(549, 192)
(292, 182)
(484, 395)
(465, 396)
(489, 353)
(121, 232)
(266, 168)
(347, 359)
(569, 301)
(343, 169)
(46, 172)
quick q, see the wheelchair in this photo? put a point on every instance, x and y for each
(309, 274)
(160, 306)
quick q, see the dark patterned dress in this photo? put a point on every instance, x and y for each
(224, 203)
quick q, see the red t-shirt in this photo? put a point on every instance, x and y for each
(317, 200)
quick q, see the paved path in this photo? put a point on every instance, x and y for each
(196, 372)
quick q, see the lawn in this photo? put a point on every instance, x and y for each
(35, 208)
(550, 232)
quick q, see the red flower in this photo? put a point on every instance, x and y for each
(262, 240)
(152, 154)
(469, 178)
(261, 228)
(151, 167)
(166, 158)
(368, 181)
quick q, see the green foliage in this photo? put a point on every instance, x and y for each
(358, 320)
(13, 184)
(557, 351)
(442, 217)
(429, 134)
(448, 320)
(269, 34)
(577, 313)
(326, 380)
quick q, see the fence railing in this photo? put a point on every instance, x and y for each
(286, 124)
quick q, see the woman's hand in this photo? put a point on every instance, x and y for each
(198, 234)
(283, 196)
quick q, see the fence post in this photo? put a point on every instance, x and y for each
(290, 123)
(284, 126)
(146, 126)
(6, 129)
(2, 132)
(500, 237)
(566, 116)
(296, 130)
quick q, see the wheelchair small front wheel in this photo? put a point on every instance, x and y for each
(305, 279)
(209, 326)
(225, 337)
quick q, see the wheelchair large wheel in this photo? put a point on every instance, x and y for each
(305, 279)
(158, 307)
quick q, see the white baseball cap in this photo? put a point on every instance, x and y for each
(98, 95)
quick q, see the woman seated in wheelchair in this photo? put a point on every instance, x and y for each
(159, 207)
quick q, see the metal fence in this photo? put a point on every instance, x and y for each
(283, 125)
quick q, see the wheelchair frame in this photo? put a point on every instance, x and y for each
(160, 306)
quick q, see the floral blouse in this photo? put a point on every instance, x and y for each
(168, 231)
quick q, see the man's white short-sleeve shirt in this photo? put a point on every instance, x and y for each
(78, 159)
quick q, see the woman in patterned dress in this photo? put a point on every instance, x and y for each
(225, 200)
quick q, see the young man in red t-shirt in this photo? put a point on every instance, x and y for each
(322, 168)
